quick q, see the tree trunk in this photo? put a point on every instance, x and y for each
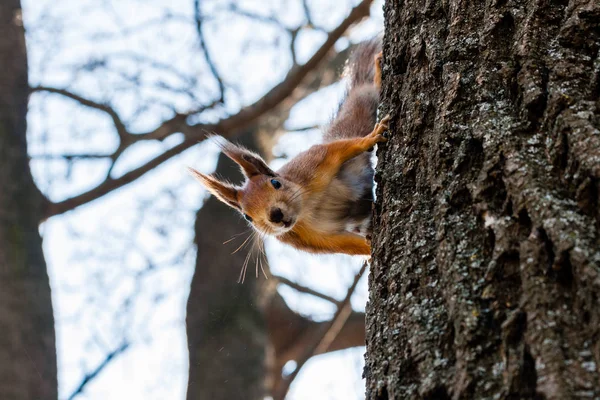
(485, 275)
(27, 344)
(226, 328)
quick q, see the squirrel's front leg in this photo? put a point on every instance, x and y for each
(347, 243)
(343, 150)
(318, 242)
(377, 135)
(340, 151)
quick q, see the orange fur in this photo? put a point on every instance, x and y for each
(311, 202)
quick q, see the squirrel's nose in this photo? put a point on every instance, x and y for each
(276, 215)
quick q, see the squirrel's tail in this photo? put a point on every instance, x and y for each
(360, 68)
(358, 111)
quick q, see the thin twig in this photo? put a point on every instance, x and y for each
(324, 339)
(235, 8)
(70, 156)
(305, 289)
(119, 125)
(90, 376)
(211, 64)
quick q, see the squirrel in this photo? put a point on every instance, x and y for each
(321, 200)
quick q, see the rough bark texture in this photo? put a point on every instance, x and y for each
(485, 277)
(27, 343)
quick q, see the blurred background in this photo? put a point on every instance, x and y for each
(142, 263)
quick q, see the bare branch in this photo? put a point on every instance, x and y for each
(169, 17)
(291, 333)
(296, 74)
(211, 64)
(90, 376)
(309, 18)
(119, 125)
(253, 16)
(111, 184)
(307, 13)
(323, 340)
(293, 37)
(168, 127)
(196, 133)
(153, 63)
(305, 289)
(70, 157)
(304, 128)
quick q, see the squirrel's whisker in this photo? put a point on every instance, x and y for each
(237, 235)
(242, 245)
(244, 268)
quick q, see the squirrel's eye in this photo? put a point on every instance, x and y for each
(276, 184)
(248, 218)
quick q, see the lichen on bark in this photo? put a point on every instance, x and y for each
(486, 253)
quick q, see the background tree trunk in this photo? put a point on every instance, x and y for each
(27, 344)
(241, 336)
(485, 275)
(226, 328)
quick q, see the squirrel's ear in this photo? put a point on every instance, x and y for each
(223, 191)
(251, 163)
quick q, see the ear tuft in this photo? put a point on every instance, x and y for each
(251, 163)
(224, 191)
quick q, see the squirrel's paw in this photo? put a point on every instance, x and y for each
(381, 127)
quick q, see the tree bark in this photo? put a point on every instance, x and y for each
(486, 253)
(27, 343)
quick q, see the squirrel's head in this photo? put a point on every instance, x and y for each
(268, 201)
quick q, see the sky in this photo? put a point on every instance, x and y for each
(98, 255)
